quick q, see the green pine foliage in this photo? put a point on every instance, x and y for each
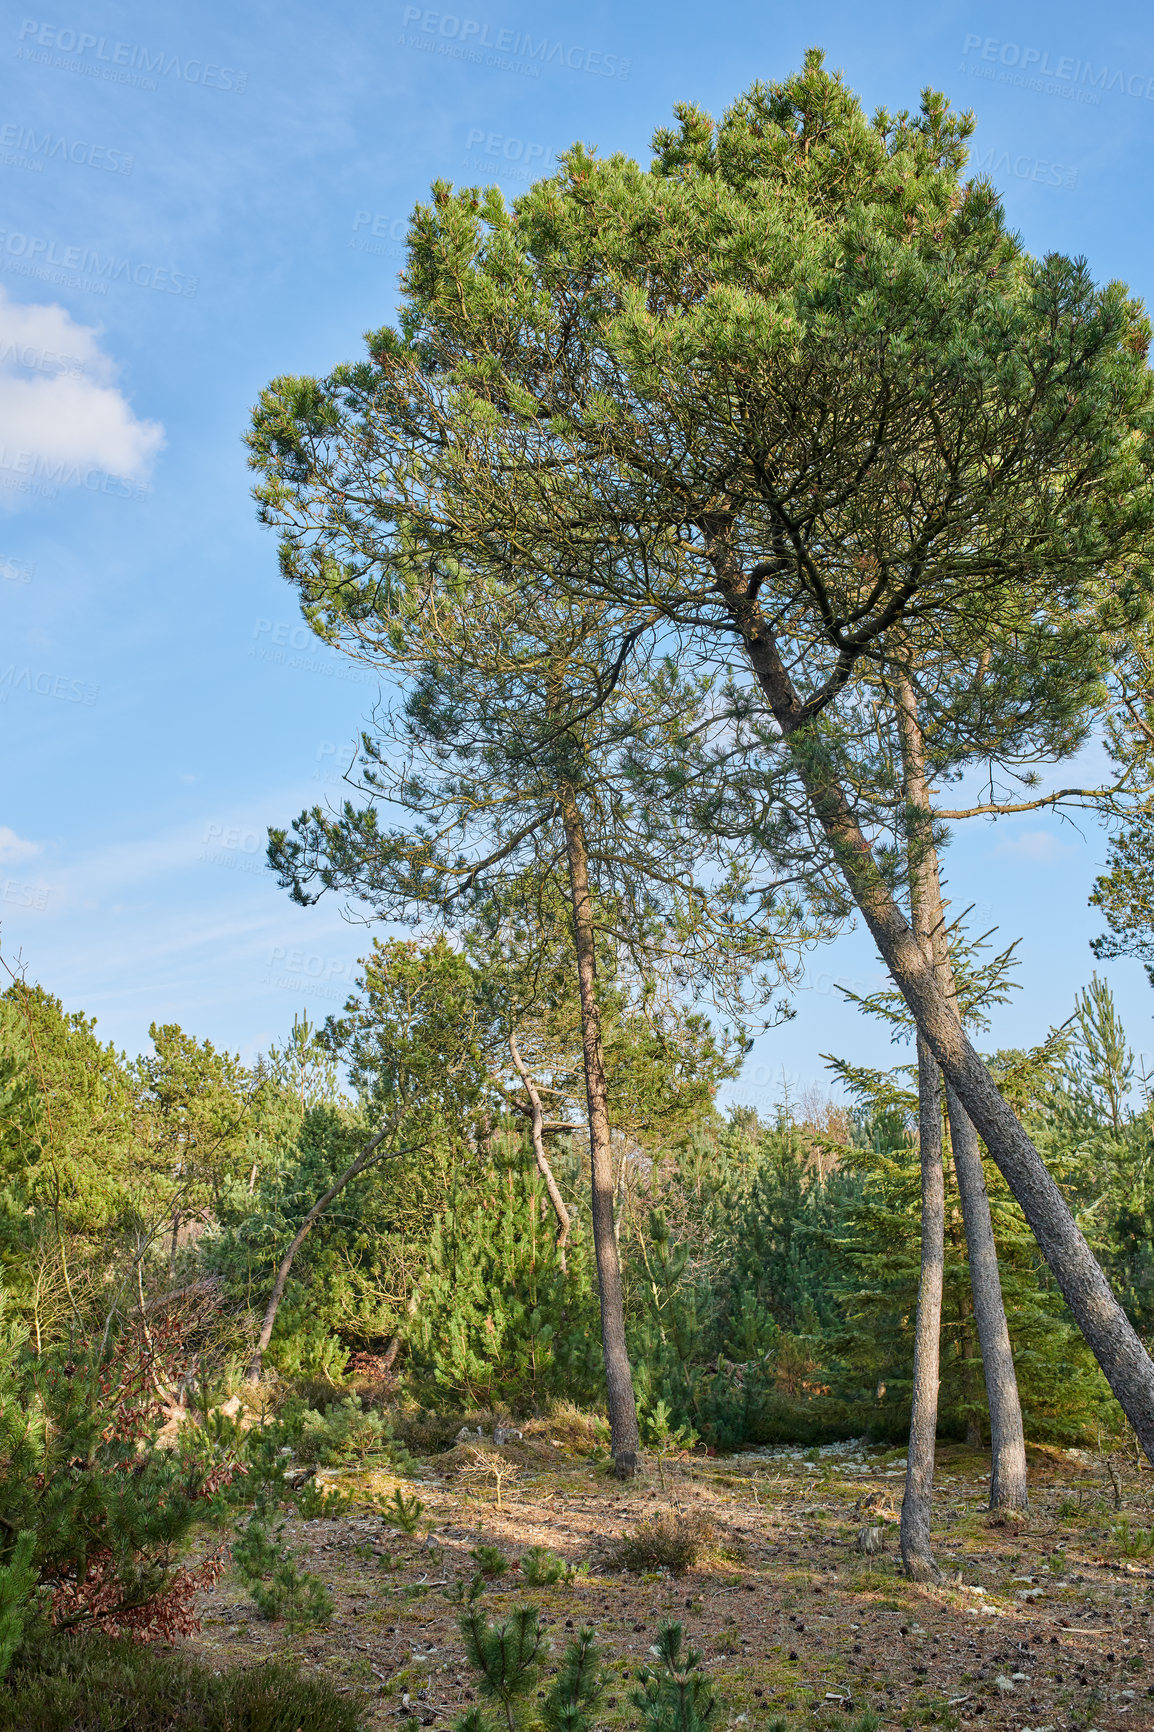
(506, 1658)
(88, 1512)
(679, 1696)
(674, 1696)
(876, 1253)
(498, 1320)
(269, 1571)
(770, 1267)
(17, 1588)
(574, 1696)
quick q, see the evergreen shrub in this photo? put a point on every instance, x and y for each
(93, 1683)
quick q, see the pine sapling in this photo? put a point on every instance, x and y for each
(576, 1691)
(540, 1568)
(268, 1570)
(462, 1593)
(404, 1512)
(679, 1697)
(314, 1502)
(506, 1658)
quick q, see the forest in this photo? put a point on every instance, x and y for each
(724, 534)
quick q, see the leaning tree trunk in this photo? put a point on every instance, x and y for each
(1008, 1489)
(625, 1440)
(1007, 1435)
(536, 1126)
(917, 1551)
(364, 1159)
(1106, 1328)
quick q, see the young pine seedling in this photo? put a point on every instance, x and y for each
(678, 1697)
(540, 1568)
(404, 1512)
(268, 1570)
(507, 1659)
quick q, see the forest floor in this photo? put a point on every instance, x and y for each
(1043, 1623)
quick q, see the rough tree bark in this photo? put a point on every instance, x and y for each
(624, 1436)
(537, 1129)
(1008, 1488)
(1105, 1326)
(917, 1551)
(364, 1159)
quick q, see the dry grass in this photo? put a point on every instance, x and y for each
(669, 1540)
(569, 1427)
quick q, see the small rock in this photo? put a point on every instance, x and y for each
(506, 1434)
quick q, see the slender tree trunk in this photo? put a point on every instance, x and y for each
(1007, 1435)
(917, 1551)
(625, 1439)
(1008, 1489)
(1105, 1326)
(302, 1232)
(536, 1123)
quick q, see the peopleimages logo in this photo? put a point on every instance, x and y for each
(32, 472)
(1029, 66)
(386, 235)
(284, 639)
(465, 38)
(70, 50)
(34, 255)
(45, 685)
(1023, 166)
(24, 895)
(33, 149)
(39, 360)
(500, 144)
(515, 158)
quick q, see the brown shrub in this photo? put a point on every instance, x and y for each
(668, 1540)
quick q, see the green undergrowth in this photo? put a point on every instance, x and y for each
(95, 1684)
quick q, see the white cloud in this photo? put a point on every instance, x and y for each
(62, 414)
(14, 848)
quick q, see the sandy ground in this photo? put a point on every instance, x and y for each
(1042, 1624)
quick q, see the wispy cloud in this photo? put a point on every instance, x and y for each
(1035, 848)
(14, 848)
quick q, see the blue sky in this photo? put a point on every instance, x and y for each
(197, 198)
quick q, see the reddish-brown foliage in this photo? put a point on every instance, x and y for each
(99, 1601)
